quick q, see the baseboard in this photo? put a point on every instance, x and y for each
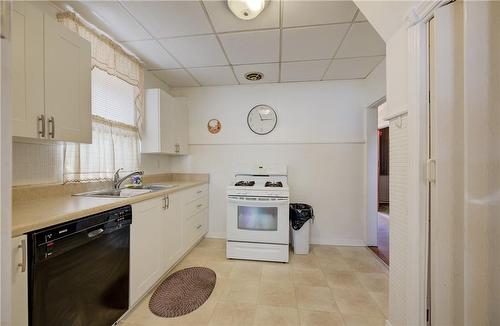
(216, 235)
(339, 242)
(323, 241)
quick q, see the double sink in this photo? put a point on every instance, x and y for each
(126, 192)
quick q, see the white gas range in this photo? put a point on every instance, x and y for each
(257, 214)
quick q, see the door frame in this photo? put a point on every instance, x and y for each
(371, 222)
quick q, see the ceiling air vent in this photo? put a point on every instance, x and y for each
(254, 76)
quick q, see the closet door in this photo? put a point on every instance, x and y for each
(27, 71)
(67, 84)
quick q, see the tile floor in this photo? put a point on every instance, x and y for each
(330, 286)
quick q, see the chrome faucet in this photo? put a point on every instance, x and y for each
(117, 181)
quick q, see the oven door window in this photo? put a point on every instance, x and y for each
(258, 218)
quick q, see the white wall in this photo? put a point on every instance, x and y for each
(320, 136)
(397, 73)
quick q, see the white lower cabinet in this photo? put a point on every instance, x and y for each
(146, 258)
(163, 230)
(19, 304)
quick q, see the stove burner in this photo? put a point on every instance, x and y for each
(244, 183)
(274, 184)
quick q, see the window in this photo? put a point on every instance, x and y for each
(115, 138)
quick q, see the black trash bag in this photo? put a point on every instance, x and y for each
(300, 214)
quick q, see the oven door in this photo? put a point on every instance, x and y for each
(258, 219)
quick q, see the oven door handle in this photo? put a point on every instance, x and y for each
(243, 200)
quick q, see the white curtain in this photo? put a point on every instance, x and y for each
(113, 146)
(117, 108)
(465, 221)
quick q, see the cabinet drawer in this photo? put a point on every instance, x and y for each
(196, 193)
(196, 206)
(194, 227)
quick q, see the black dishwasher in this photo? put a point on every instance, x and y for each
(79, 271)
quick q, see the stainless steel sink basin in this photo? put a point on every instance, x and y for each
(125, 192)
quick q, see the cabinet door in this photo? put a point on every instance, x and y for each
(19, 304)
(172, 230)
(67, 84)
(181, 126)
(146, 257)
(27, 71)
(167, 123)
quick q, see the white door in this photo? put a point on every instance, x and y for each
(261, 219)
(181, 126)
(19, 304)
(28, 105)
(172, 230)
(167, 123)
(67, 84)
(146, 255)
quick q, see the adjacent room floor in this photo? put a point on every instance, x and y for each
(382, 248)
(331, 286)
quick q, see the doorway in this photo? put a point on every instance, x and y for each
(378, 181)
(382, 247)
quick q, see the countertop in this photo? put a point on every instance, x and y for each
(35, 214)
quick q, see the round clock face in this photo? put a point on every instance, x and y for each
(262, 119)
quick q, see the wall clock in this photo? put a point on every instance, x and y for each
(262, 119)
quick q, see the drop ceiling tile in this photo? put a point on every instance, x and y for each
(176, 77)
(304, 13)
(352, 68)
(214, 76)
(361, 41)
(111, 17)
(225, 21)
(360, 17)
(312, 43)
(170, 18)
(251, 47)
(303, 70)
(152, 54)
(269, 70)
(196, 51)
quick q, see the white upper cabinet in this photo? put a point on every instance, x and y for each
(67, 84)
(166, 124)
(51, 78)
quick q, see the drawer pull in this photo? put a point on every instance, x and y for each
(198, 227)
(199, 192)
(199, 205)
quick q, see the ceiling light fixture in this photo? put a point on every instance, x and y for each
(246, 9)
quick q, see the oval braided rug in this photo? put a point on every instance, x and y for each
(182, 292)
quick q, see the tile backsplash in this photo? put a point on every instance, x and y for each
(36, 163)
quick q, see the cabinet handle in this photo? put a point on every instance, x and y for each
(168, 202)
(199, 205)
(52, 125)
(198, 227)
(199, 192)
(177, 148)
(41, 125)
(23, 262)
(164, 203)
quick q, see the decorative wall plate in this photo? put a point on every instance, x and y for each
(214, 126)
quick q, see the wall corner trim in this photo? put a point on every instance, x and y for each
(423, 11)
(399, 112)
